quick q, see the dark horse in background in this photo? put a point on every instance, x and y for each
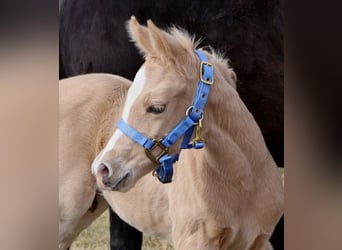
(93, 38)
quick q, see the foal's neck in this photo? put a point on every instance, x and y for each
(234, 143)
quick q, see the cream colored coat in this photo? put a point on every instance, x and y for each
(89, 106)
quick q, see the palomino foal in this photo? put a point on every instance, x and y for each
(227, 195)
(89, 106)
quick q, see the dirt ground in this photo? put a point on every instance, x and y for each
(96, 237)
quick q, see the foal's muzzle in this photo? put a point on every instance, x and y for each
(106, 180)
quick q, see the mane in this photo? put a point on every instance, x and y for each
(190, 43)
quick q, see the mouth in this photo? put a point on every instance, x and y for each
(118, 184)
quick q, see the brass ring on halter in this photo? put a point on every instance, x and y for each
(189, 109)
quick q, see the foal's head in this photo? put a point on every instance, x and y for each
(162, 90)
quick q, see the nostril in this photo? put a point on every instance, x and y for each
(105, 174)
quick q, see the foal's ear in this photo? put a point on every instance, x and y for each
(140, 35)
(155, 42)
(166, 46)
(159, 40)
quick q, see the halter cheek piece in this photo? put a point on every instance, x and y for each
(158, 150)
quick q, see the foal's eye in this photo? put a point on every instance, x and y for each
(156, 109)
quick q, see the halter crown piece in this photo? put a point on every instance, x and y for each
(157, 150)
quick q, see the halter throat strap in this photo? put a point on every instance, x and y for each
(158, 150)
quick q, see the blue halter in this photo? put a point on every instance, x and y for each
(157, 150)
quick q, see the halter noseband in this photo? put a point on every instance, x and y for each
(158, 150)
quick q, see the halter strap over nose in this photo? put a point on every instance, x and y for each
(158, 150)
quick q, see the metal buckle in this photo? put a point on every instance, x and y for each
(162, 151)
(207, 81)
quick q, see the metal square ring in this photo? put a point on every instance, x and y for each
(210, 81)
(158, 144)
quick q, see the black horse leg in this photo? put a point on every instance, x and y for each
(122, 235)
(277, 238)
